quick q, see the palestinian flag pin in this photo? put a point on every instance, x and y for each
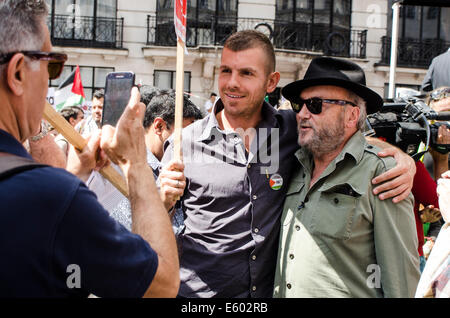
(276, 182)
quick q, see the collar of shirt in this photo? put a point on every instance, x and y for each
(11, 145)
(270, 118)
(153, 162)
(354, 148)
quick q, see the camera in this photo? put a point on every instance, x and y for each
(405, 123)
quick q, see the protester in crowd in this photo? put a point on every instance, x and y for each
(436, 162)
(73, 115)
(437, 159)
(57, 240)
(238, 162)
(93, 122)
(434, 281)
(335, 232)
(159, 125)
(438, 73)
(148, 92)
(424, 192)
(210, 102)
(439, 99)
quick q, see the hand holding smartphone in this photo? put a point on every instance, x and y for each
(117, 95)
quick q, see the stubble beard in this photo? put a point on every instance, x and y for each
(325, 139)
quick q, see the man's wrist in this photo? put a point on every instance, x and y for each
(41, 134)
(441, 149)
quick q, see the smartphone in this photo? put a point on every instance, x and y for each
(117, 95)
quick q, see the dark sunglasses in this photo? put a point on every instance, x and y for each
(314, 104)
(55, 60)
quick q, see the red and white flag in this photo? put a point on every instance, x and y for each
(70, 92)
(180, 20)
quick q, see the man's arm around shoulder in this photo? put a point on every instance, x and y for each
(397, 182)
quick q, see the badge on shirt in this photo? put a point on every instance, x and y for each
(276, 182)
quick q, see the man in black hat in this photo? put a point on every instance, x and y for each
(337, 238)
(235, 190)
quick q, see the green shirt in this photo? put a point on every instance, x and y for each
(338, 239)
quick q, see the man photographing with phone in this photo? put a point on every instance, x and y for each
(57, 240)
(117, 93)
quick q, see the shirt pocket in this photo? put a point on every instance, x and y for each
(292, 201)
(335, 210)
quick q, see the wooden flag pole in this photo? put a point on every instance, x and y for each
(72, 136)
(179, 101)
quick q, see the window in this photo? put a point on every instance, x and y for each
(317, 25)
(408, 11)
(325, 12)
(433, 13)
(167, 79)
(87, 23)
(92, 78)
(208, 22)
(89, 8)
(422, 22)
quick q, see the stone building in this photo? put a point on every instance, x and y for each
(130, 35)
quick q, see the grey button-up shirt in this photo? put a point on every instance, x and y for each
(118, 205)
(232, 205)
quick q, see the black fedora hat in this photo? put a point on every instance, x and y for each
(336, 72)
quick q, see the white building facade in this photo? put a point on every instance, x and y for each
(130, 35)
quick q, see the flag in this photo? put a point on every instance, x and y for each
(70, 92)
(180, 9)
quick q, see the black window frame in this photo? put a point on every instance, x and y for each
(217, 24)
(172, 79)
(74, 2)
(420, 10)
(312, 28)
(311, 8)
(92, 30)
(93, 88)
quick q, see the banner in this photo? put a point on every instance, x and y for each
(180, 20)
(70, 92)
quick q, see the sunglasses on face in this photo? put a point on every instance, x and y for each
(314, 104)
(55, 60)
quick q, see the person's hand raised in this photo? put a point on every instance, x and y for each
(125, 144)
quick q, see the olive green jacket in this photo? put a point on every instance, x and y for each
(338, 239)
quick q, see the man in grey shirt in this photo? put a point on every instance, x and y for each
(158, 124)
(438, 73)
(238, 162)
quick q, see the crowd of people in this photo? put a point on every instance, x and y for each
(267, 202)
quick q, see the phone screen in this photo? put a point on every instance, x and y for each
(117, 94)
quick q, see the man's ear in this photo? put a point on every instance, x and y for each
(272, 81)
(159, 125)
(352, 116)
(15, 74)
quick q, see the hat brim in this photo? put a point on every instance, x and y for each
(374, 102)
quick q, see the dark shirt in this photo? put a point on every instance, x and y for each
(233, 204)
(58, 241)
